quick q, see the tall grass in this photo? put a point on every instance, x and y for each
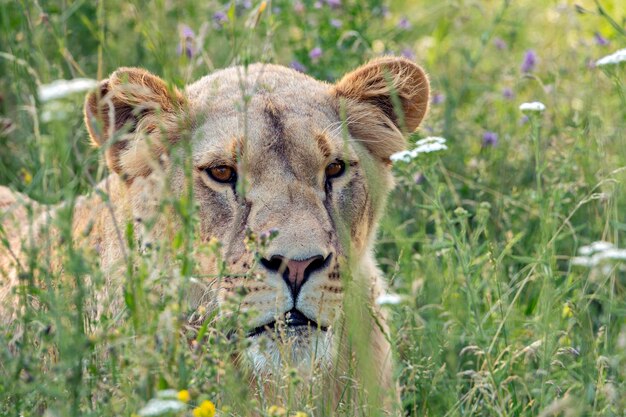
(498, 316)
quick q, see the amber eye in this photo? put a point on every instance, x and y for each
(223, 174)
(335, 169)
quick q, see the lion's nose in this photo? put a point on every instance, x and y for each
(295, 272)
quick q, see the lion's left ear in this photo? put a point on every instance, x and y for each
(384, 99)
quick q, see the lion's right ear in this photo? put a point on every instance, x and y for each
(134, 116)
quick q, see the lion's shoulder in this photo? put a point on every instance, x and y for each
(14, 216)
(7, 197)
(14, 211)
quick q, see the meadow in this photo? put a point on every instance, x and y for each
(506, 249)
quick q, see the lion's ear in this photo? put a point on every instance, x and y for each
(134, 116)
(384, 99)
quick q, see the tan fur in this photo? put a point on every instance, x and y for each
(14, 217)
(280, 139)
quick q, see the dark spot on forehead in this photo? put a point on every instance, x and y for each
(275, 140)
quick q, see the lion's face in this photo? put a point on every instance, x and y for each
(289, 174)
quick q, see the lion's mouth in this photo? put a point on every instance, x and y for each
(293, 320)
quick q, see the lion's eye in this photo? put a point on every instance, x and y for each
(223, 174)
(335, 169)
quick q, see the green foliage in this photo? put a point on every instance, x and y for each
(495, 318)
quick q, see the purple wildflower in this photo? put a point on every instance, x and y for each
(490, 139)
(335, 4)
(523, 120)
(508, 93)
(247, 4)
(600, 40)
(268, 235)
(317, 5)
(437, 98)
(336, 23)
(220, 18)
(186, 32)
(529, 62)
(419, 178)
(315, 53)
(185, 44)
(296, 65)
(408, 54)
(404, 24)
(499, 43)
(298, 7)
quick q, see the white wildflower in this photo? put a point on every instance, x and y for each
(613, 59)
(598, 253)
(614, 254)
(63, 88)
(405, 156)
(430, 147)
(158, 407)
(430, 141)
(583, 261)
(388, 299)
(535, 106)
(599, 246)
(167, 394)
(426, 145)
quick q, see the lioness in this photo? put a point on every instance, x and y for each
(265, 151)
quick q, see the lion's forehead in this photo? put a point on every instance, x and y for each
(264, 118)
(236, 84)
(300, 129)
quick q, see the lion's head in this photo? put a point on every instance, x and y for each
(300, 164)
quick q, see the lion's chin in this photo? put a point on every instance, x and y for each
(301, 347)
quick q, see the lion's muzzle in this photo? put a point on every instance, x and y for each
(296, 272)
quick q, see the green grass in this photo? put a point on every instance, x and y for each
(495, 320)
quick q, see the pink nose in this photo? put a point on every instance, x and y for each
(295, 272)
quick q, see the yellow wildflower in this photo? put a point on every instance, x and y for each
(567, 311)
(300, 414)
(262, 6)
(27, 176)
(205, 409)
(276, 411)
(184, 396)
